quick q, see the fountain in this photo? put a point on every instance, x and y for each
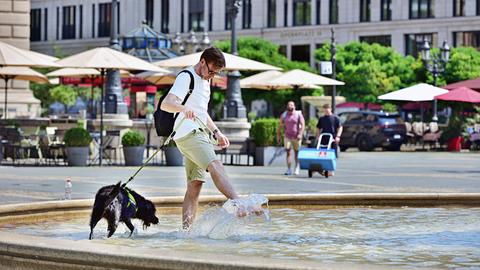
(329, 231)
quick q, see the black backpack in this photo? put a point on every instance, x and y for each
(164, 121)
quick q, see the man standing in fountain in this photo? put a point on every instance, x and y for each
(192, 142)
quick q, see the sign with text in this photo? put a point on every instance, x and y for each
(325, 67)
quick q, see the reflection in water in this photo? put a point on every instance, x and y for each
(418, 237)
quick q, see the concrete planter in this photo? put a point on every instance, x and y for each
(77, 156)
(133, 155)
(270, 156)
(173, 156)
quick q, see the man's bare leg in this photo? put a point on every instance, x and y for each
(220, 179)
(190, 203)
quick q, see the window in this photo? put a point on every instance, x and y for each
(301, 53)
(478, 7)
(318, 12)
(282, 49)
(271, 13)
(228, 23)
(333, 19)
(210, 14)
(353, 117)
(195, 15)
(104, 19)
(301, 12)
(58, 23)
(165, 16)
(386, 10)
(421, 9)
(458, 8)
(149, 12)
(385, 40)
(467, 39)
(68, 22)
(182, 7)
(35, 24)
(45, 25)
(285, 13)
(364, 10)
(93, 20)
(80, 23)
(414, 41)
(247, 14)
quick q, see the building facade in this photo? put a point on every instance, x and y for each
(298, 26)
(15, 30)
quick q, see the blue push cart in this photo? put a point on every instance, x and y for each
(321, 159)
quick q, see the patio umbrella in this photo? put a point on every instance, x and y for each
(473, 84)
(299, 78)
(461, 94)
(264, 81)
(233, 62)
(167, 77)
(13, 56)
(418, 92)
(104, 58)
(19, 73)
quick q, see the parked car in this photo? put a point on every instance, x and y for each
(368, 129)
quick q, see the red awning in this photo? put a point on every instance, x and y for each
(472, 84)
(462, 94)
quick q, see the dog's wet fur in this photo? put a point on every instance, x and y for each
(111, 203)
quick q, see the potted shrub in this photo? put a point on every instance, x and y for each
(133, 147)
(267, 151)
(173, 156)
(77, 141)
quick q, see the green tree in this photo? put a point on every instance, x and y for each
(267, 52)
(369, 70)
(64, 94)
(464, 64)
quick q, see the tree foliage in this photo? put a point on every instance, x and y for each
(464, 64)
(369, 70)
(64, 94)
(267, 52)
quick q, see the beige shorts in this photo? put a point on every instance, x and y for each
(292, 142)
(198, 153)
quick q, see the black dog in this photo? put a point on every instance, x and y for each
(116, 203)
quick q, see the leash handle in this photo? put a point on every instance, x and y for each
(203, 127)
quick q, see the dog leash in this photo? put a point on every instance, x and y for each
(203, 128)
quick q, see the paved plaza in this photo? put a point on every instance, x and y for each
(357, 172)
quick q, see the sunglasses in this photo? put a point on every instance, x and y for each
(210, 72)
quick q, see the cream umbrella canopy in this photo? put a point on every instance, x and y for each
(418, 92)
(13, 56)
(263, 81)
(233, 62)
(19, 73)
(299, 78)
(104, 58)
(164, 78)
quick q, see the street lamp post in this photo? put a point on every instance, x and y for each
(233, 106)
(435, 64)
(333, 52)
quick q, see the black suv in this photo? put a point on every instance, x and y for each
(367, 130)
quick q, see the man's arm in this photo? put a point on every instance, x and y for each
(222, 139)
(279, 129)
(339, 132)
(173, 104)
(302, 127)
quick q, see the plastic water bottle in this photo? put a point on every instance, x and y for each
(68, 189)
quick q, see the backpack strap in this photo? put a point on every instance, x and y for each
(191, 86)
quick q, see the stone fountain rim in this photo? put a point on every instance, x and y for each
(34, 252)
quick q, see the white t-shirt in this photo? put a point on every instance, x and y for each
(198, 101)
